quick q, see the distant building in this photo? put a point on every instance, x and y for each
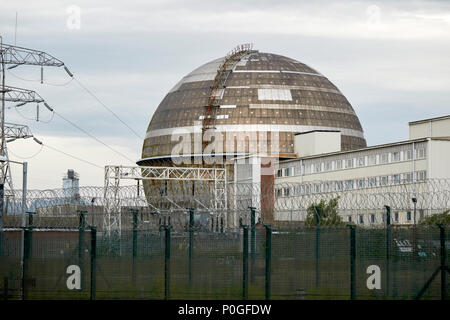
(71, 184)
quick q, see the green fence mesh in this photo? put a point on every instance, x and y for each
(301, 263)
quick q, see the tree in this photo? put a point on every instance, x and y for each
(328, 214)
(441, 218)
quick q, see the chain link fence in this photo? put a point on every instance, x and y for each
(257, 262)
(165, 251)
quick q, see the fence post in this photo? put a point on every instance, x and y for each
(1, 237)
(318, 210)
(135, 226)
(26, 256)
(166, 262)
(30, 218)
(28, 252)
(29, 236)
(191, 242)
(93, 260)
(352, 262)
(444, 269)
(5, 289)
(245, 264)
(252, 243)
(81, 229)
(388, 247)
(268, 259)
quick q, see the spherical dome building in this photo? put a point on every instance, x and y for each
(254, 94)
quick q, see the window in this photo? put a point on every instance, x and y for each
(349, 185)
(421, 175)
(349, 219)
(339, 164)
(361, 183)
(408, 177)
(317, 188)
(409, 154)
(421, 153)
(279, 173)
(396, 178)
(339, 185)
(383, 181)
(408, 216)
(349, 163)
(361, 161)
(372, 159)
(279, 193)
(288, 172)
(307, 189)
(318, 167)
(372, 182)
(307, 169)
(384, 158)
(395, 157)
(372, 218)
(327, 166)
(361, 219)
(396, 216)
(286, 192)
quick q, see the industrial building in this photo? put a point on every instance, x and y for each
(252, 94)
(270, 120)
(321, 167)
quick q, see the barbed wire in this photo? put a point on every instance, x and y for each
(288, 202)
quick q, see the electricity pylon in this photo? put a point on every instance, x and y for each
(15, 56)
(11, 132)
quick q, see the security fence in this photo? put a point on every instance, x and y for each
(256, 262)
(286, 202)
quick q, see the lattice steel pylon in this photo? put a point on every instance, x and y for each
(15, 56)
(114, 174)
(12, 131)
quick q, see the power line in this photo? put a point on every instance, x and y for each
(76, 126)
(106, 107)
(32, 119)
(64, 84)
(89, 92)
(26, 158)
(93, 137)
(72, 156)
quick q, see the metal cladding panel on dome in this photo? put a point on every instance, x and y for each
(263, 93)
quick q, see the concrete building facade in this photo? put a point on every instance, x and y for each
(402, 170)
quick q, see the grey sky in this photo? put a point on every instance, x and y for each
(391, 59)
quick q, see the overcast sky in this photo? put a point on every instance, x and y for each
(391, 59)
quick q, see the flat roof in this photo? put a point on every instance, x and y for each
(361, 149)
(428, 120)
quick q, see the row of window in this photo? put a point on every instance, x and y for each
(374, 159)
(395, 218)
(353, 184)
